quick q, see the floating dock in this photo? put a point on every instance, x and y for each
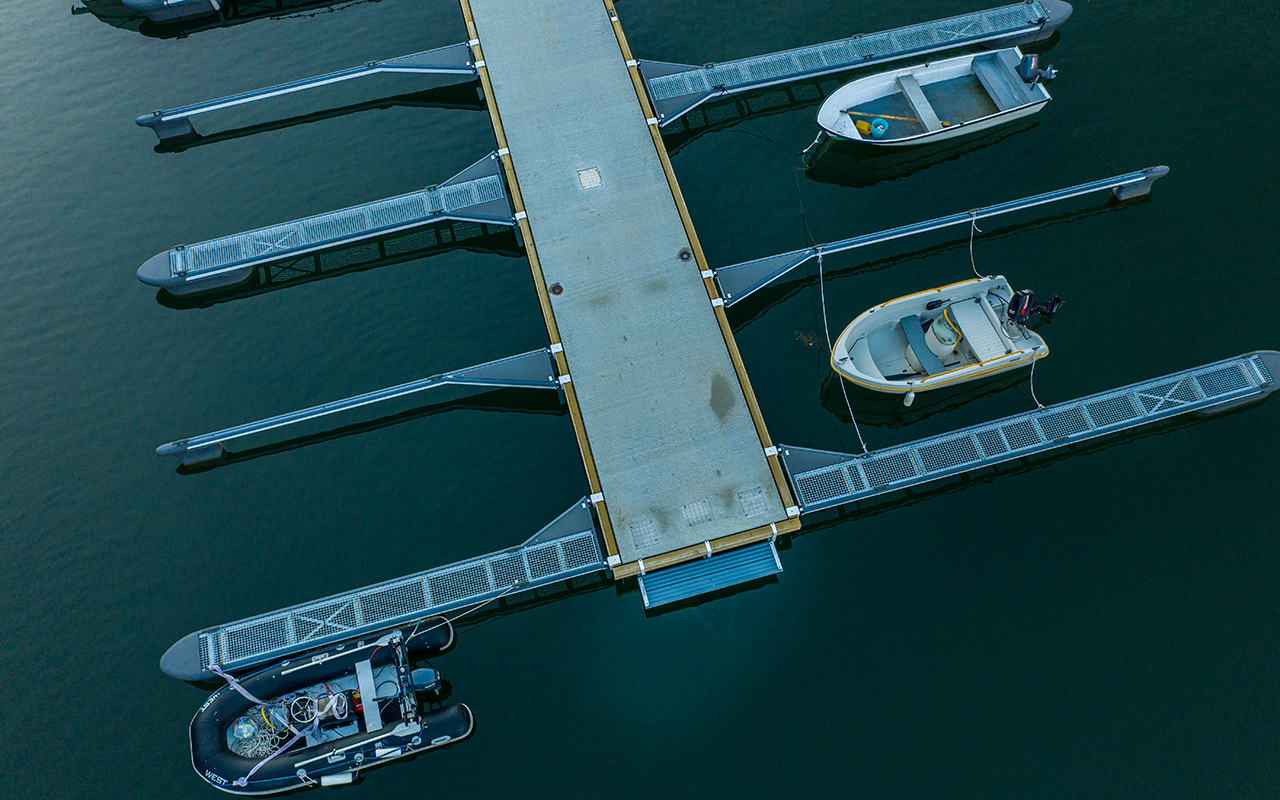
(477, 194)
(678, 458)
(687, 490)
(825, 479)
(566, 549)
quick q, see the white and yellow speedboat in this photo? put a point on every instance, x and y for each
(941, 337)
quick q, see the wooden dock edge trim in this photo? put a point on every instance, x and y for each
(781, 483)
(699, 551)
(540, 285)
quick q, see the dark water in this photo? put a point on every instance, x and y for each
(1102, 626)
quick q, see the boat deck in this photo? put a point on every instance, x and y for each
(670, 434)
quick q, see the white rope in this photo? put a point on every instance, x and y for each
(973, 226)
(826, 329)
(1034, 358)
(477, 607)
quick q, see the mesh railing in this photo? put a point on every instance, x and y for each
(858, 477)
(384, 605)
(335, 227)
(848, 53)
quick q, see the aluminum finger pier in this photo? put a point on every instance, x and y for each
(687, 492)
(825, 479)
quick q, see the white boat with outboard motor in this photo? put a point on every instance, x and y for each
(937, 100)
(320, 719)
(942, 337)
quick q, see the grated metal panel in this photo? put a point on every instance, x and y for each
(991, 442)
(1064, 423)
(544, 560)
(1112, 410)
(1261, 367)
(824, 484)
(1021, 434)
(898, 468)
(882, 470)
(956, 450)
(385, 605)
(696, 84)
(1220, 381)
(579, 553)
(467, 581)
(335, 227)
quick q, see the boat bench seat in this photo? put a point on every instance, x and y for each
(919, 103)
(994, 77)
(975, 326)
(915, 340)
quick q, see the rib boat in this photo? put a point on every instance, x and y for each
(322, 718)
(938, 100)
(941, 337)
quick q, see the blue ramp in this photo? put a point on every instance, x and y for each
(709, 574)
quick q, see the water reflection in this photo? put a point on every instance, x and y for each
(234, 12)
(464, 96)
(429, 240)
(523, 401)
(758, 303)
(902, 498)
(887, 411)
(861, 165)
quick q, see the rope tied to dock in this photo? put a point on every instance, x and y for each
(973, 228)
(826, 329)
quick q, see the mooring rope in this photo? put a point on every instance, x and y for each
(1034, 358)
(973, 226)
(477, 607)
(826, 329)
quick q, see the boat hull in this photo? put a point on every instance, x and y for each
(874, 352)
(953, 132)
(932, 102)
(302, 763)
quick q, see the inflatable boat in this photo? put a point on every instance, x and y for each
(942, 337)
(322, 718)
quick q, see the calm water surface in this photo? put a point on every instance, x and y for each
(1104, 625)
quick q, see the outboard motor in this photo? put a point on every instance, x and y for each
(1030, 72)
(1023, 306)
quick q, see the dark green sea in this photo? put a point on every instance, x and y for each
(1098, 624)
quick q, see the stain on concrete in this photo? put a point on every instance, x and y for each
(723, 397)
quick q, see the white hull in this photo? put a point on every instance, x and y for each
(875, 351)
(933, 102)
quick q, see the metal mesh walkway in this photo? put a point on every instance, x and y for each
(481, 198)
(824, 479)
(565, 549)
(678, 88)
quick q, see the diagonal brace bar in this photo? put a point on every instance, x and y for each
(532, 370)
(740, 280)
(452, 60)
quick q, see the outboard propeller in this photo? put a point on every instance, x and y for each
(1023, 306)
(1030, 72)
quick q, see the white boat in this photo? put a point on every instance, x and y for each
(938, 100)
(941, 337)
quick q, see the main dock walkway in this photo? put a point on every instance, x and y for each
(678, 458)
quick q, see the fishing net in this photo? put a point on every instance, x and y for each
(260, 732)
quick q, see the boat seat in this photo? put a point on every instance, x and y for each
(994, 77)
(915, 340)
(915, 95)
(975, 326)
